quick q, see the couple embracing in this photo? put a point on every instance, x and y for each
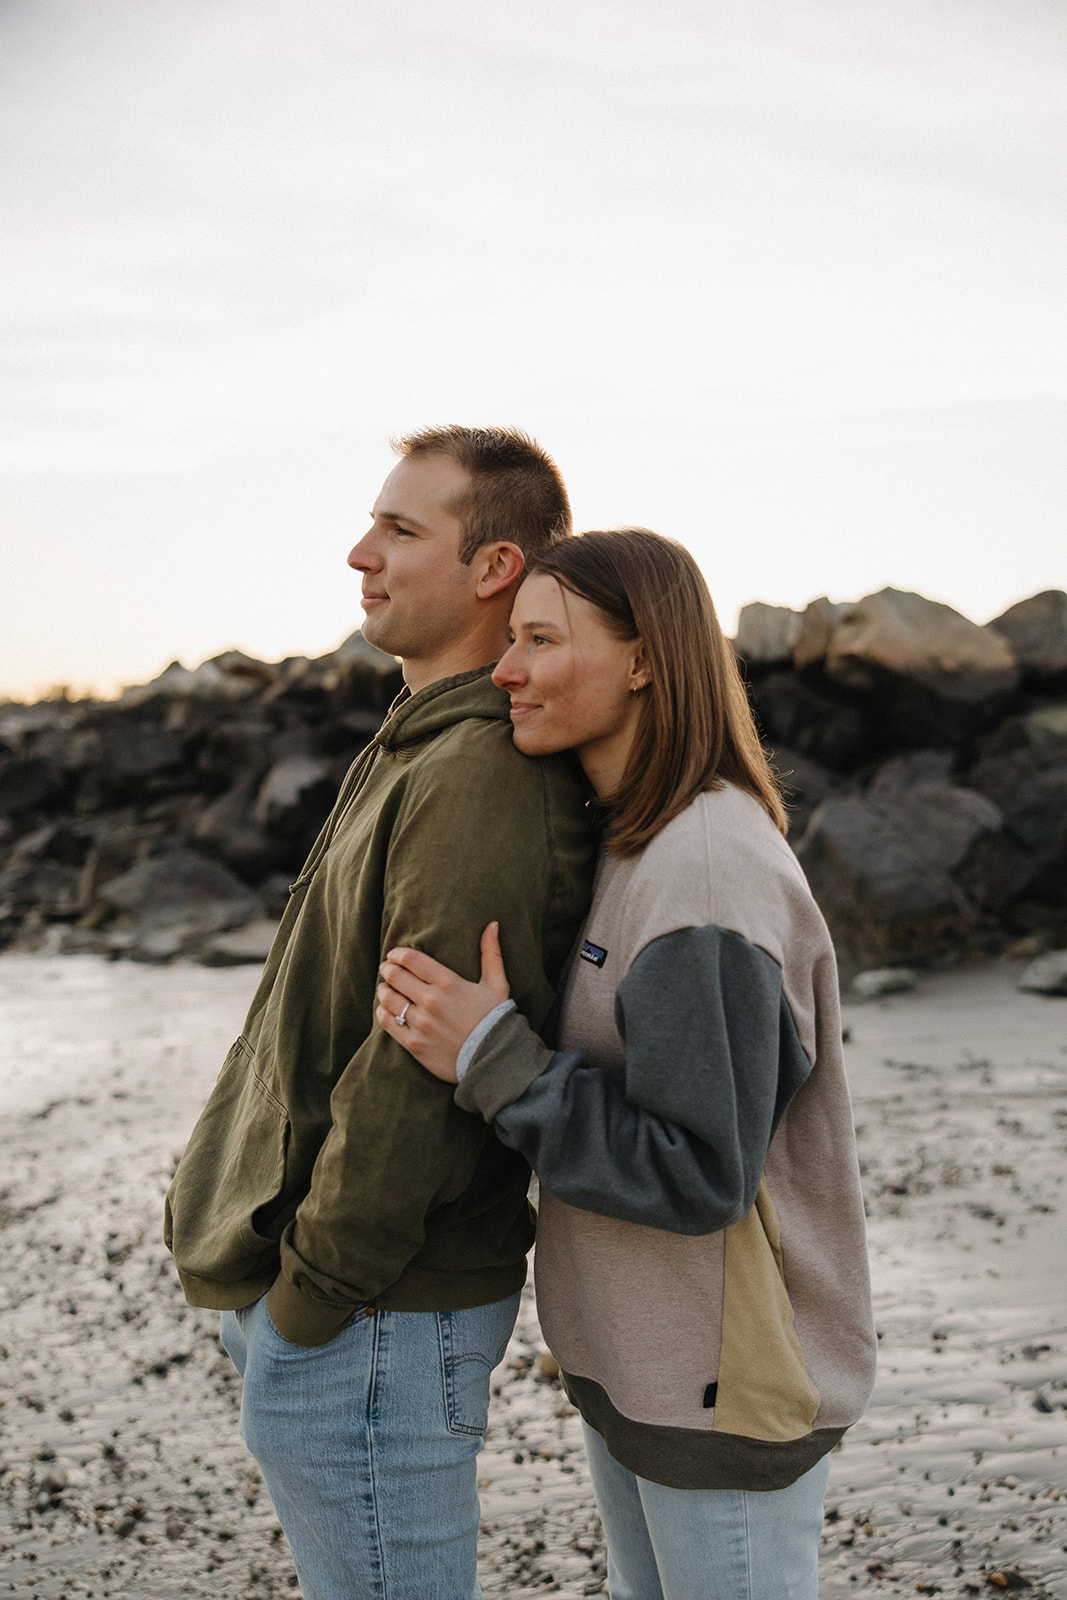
(566, 810)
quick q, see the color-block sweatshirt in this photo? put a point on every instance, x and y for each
(327, 1167)
(701, 1261)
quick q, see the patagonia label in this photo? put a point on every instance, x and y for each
(593, 952)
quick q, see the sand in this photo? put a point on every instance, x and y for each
(121, 1472)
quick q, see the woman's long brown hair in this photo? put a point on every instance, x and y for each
(696, 730)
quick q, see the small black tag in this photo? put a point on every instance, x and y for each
(592, 952)
(709, 1395)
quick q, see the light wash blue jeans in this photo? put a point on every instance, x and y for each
(707, 1544)
(368, 1445)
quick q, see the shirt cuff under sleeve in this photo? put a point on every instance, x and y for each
(477, 1034)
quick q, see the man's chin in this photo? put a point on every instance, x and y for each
(376, 632)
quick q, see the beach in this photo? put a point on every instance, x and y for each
(121, 1468)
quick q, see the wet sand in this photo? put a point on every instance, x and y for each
(121, 1472)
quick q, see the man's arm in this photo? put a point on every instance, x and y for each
(503, 838)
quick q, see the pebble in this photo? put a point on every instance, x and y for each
(1047, 975)
(883, 981)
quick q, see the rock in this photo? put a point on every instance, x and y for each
(250, 944)
(881, 981)
(932, 676)
(1041, 727)
(766, 634)
(47, 885)
(813, 719)
(292, 798)
(805, 785)
(29, 783)
(235, 747)
(227, 829)
(907, 634)
(817, 626)
(1036, 630)
(232, 676)
(1047, 975)
(942, 822)
(361, 675)
(884, 900)
(916, 769)
(119, 844)
(135, 755)
(888, 870)
(1029, 857)
(169, 903)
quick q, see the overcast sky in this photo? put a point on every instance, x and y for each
(783, 278)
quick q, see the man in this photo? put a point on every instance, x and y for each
(364, 1238)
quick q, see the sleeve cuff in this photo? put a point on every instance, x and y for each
(304, 1321)
(477, 1034)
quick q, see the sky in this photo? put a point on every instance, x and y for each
(782, 278)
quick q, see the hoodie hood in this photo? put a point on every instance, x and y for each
(413, 718)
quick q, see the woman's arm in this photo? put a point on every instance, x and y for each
(678, 1140)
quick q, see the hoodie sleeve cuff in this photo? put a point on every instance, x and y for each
(477, 1034)
(301, 1320)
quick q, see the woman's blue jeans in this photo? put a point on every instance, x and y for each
(368, 1445)
(707, 1544)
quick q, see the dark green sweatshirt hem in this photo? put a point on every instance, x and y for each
(691, 1458)
(309, 1321)
(423, 1290)
(223, 1296)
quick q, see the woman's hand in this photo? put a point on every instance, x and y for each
(439, 1009)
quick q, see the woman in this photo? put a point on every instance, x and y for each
(701, 1267)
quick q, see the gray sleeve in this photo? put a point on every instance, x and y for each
(678, 1140)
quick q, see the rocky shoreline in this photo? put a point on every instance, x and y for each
(925, 759)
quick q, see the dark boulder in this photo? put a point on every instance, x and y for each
(1036, 630)
(882, 872)
(1028, 859)
(30, 784)
(236, 748)
(138, 757)
(813, 720)
(228, 829)
(295, 796)
(805, 784)
(932, 675)
(169, 904)
(914, 769)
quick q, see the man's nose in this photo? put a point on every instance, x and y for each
(361, 557)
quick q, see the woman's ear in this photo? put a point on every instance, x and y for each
(500, 565)
(640, 672)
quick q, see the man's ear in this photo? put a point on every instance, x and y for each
(498, 566)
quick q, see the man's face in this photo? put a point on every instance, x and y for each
(418, 596)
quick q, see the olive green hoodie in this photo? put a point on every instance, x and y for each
(328, 1168)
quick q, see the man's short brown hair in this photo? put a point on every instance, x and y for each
(516, 491)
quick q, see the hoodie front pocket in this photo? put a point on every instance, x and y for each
(229, 1197)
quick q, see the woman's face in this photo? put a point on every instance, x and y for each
(572, 681)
